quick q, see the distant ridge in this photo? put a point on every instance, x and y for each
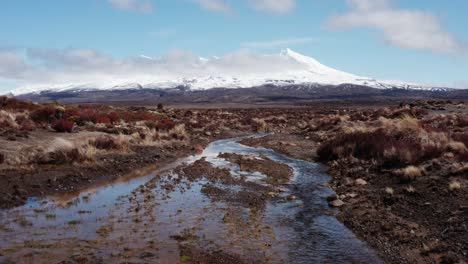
(283, 69)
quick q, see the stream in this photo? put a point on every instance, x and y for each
(150, 219)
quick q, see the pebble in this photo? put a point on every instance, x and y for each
(272, 194)
(360, 182)
(336, 203)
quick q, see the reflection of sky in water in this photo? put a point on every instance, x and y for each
(304, 230)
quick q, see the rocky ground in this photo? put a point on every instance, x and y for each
(420, 218)
(400, 172)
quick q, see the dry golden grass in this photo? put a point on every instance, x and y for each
(108, 142)
(389, 190)
(8, 119)
(405, 124)
(63, 151)
(410, 173)
(457, 147)
(454, 185)
(262, 126)
(179, 132)
(410, 189)
(177, 136)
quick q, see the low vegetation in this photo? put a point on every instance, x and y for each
(392, 167)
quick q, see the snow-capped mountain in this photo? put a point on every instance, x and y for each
(239, 70)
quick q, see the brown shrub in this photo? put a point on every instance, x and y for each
(109, 142)
(45, 114)
(16, 105)
(390, 142)
(377, 145)
(463, 156)
(461, 138)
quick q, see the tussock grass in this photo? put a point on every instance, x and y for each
(410, 173)
(62, 151)
(454, 185)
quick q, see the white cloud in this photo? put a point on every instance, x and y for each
(140, 6)
(279, 43)
(214, 5)
(269, 6)
(48, 68)
(11, 63)
(413, 29)
(274, 6)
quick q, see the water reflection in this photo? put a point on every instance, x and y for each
(146, 213)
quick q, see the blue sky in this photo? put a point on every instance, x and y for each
(428, 45)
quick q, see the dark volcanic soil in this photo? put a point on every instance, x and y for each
(277, 173)
(52, 179)
(291, 145)
(251, 194)
(197, 256)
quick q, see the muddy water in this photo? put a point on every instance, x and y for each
(150, 219)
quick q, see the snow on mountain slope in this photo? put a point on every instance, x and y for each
(238, 70)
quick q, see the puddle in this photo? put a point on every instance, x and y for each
(147, 219)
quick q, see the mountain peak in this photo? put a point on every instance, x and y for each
(291, 53)
(239, 70)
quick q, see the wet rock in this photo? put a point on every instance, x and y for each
(272, 194)
(332, 197)
(336, 203)
(291, 198)
(348, 181)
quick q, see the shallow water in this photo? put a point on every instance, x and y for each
(141, 215)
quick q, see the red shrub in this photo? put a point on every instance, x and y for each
(44, 115)
(62, 125)
(165, 124)
(130, 117)
(462, 121)
(71, 112)
(27, 125)
(463, 156)
(462, 138)
(4, 124)
(114, 117)
(102, 119)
